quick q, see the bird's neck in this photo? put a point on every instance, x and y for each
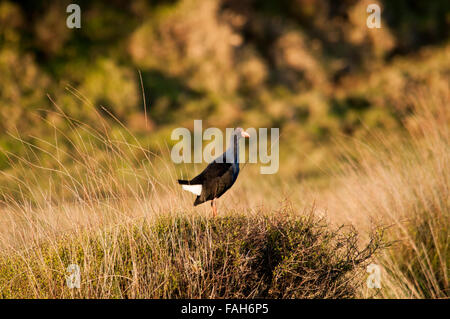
(232, 153)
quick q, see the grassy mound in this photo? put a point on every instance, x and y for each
(237, 256)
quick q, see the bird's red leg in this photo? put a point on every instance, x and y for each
(214, 209)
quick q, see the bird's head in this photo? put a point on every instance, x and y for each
(239, 132)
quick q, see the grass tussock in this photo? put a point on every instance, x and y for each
(235, 256)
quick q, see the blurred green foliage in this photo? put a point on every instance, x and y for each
(310, 67)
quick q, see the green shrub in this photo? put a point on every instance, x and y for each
(194, 257)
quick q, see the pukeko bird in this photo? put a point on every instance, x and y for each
(219, 175)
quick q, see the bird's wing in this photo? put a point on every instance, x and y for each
(217, 178)
(212, 171)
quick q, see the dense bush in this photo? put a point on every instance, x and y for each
(235, 256)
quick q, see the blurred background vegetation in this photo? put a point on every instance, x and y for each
(310, 67)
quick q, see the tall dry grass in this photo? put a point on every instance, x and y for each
(403, 181)
(96, 197)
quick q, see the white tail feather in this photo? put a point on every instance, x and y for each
(196, 189)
